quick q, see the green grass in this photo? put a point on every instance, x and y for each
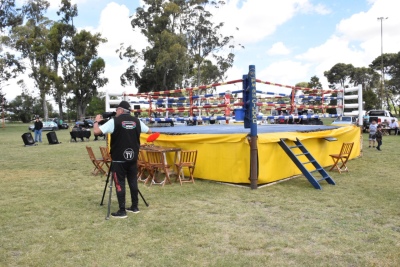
(50, 215)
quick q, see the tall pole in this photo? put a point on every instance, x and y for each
(383, 74)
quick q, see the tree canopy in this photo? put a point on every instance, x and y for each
(186, 48)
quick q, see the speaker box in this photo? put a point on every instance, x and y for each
(52, 138)
(28, 140)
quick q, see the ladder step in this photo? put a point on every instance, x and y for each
(293, 147)
(316, 170)
(324, 178)
(302, 154)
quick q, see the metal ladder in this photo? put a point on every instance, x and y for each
(310, 160)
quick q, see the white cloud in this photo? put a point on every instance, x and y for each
(278, 49)
(116, 27)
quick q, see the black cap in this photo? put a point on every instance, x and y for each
(125, 105)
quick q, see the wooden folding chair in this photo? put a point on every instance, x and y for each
(106, 156)
(143, 168)
(97, 162)
(185, 159)
(342, 158)
(157, 164)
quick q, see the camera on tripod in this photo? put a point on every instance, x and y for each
(107, 116)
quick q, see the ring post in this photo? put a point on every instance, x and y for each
(250, 121)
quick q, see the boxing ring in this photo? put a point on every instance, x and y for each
(248, 152)
(224, 150)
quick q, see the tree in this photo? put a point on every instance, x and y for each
(205, 39)
(97, 105)
(22, 107)
(31, 41)
(339, 74)
(10, 65)
(185, 46)
(84, 69)
(369, 79)
(59, 32)
(9, 15)
(387, 60)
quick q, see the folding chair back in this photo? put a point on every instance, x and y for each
(97, 162)
(342, 158)
(346, 149)
(106, 156)
(157, 164)
(143, 167)
(186, 159)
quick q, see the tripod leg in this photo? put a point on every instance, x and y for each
(144, 200)
(105, 187)
(109, 201)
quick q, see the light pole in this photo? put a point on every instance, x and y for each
(383, 74)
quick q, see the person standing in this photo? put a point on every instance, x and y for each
(372, 131)
(378, 136)
(125, 142)
(394, 126)
(38, 125)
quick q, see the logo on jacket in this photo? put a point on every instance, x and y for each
(129, 125)
(129, 154)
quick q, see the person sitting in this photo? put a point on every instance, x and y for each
(394, 126)
(385, 124)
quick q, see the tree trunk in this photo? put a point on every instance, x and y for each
(60, 109)
(45, 110)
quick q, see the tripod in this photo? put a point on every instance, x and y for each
(109, 198)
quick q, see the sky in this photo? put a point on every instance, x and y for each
(288, 41)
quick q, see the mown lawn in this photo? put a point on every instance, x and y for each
(50, 215)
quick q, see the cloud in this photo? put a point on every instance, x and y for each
(278, 49)
(257, 19)
(115, 25)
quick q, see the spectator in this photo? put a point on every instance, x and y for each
(38, 130)
(378, 136)
(394, 126)
(372, 131)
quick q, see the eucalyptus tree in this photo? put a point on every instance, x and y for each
(339, 74)
(83, 71)
(58, 34)
(165, 57)
(185, 46)
(391, 72)
(31, 40)
(205, 40)
(10, 65)
(369, 79)
(10, 15)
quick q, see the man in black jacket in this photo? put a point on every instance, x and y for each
(125, 142)
(38, 125)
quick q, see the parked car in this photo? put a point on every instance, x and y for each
(86, 123)
(61, 124)
(379, 116)
(344, 121)
(47, 126)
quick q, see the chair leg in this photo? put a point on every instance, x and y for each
(335, 165)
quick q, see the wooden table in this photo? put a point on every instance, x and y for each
(164, 150)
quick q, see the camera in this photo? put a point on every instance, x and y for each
(107, 116)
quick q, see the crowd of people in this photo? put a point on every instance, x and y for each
(376, 132)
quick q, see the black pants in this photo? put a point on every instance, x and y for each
(379, 143)
(120, 170)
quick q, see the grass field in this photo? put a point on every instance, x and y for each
(50, 215)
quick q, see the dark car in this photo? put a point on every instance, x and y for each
(47, 126)
(61, 124)
(86, 123)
